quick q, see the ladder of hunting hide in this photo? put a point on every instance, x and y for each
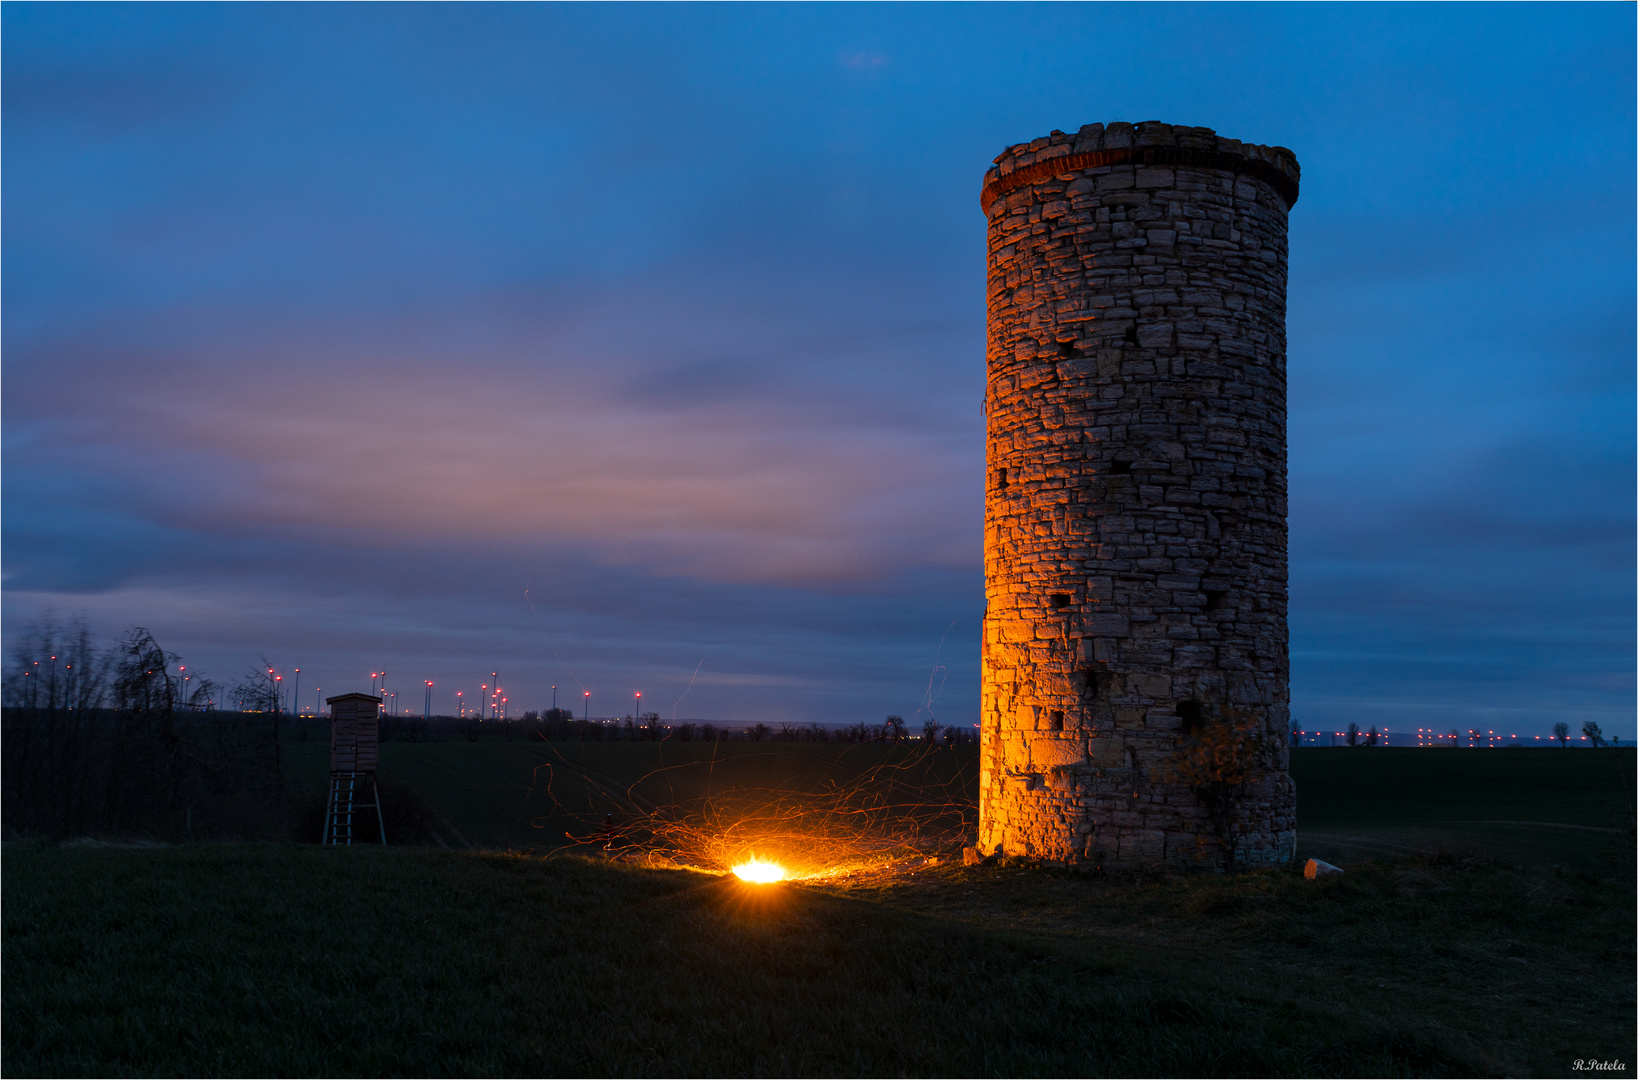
(345, 805)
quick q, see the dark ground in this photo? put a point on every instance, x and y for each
(1495, 949)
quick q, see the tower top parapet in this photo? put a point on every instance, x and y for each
(1150, 143)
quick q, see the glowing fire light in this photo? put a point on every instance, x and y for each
(759, 872)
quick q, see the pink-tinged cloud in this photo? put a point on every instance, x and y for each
(813, 476)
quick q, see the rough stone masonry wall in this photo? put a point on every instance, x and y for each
(1135, 524)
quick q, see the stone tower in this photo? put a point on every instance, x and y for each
(1135, 667)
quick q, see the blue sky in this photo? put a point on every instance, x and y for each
(641, 347)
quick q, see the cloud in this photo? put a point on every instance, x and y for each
(334, 338)
(117, 99)
(792, 475)
(862, 61)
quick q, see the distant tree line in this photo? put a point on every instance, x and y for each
(106, 741)
(559, 725)
(1591, 733)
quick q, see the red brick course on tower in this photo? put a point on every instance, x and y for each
(1135, 522)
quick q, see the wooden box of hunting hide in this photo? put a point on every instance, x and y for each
(355, 732)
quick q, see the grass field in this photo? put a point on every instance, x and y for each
(1494, 950)
(1561, 806)
(532, 796)
(1567, 807)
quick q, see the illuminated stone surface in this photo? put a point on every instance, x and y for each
(1135, 524)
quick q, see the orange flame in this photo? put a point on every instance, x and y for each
(759, 872)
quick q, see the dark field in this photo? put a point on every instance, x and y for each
(1460, 942)
(533, 796)
(526, 795)
(1568, 807)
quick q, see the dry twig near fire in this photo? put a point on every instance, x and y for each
(854, 812)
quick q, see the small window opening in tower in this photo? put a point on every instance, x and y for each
(1120, 468)
(1215, 599)
(1193, 714)
(1131, 334)
(1059, 599)
(1001, 478)
(1057, 719)
(1094, 685)
(1067, 350)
